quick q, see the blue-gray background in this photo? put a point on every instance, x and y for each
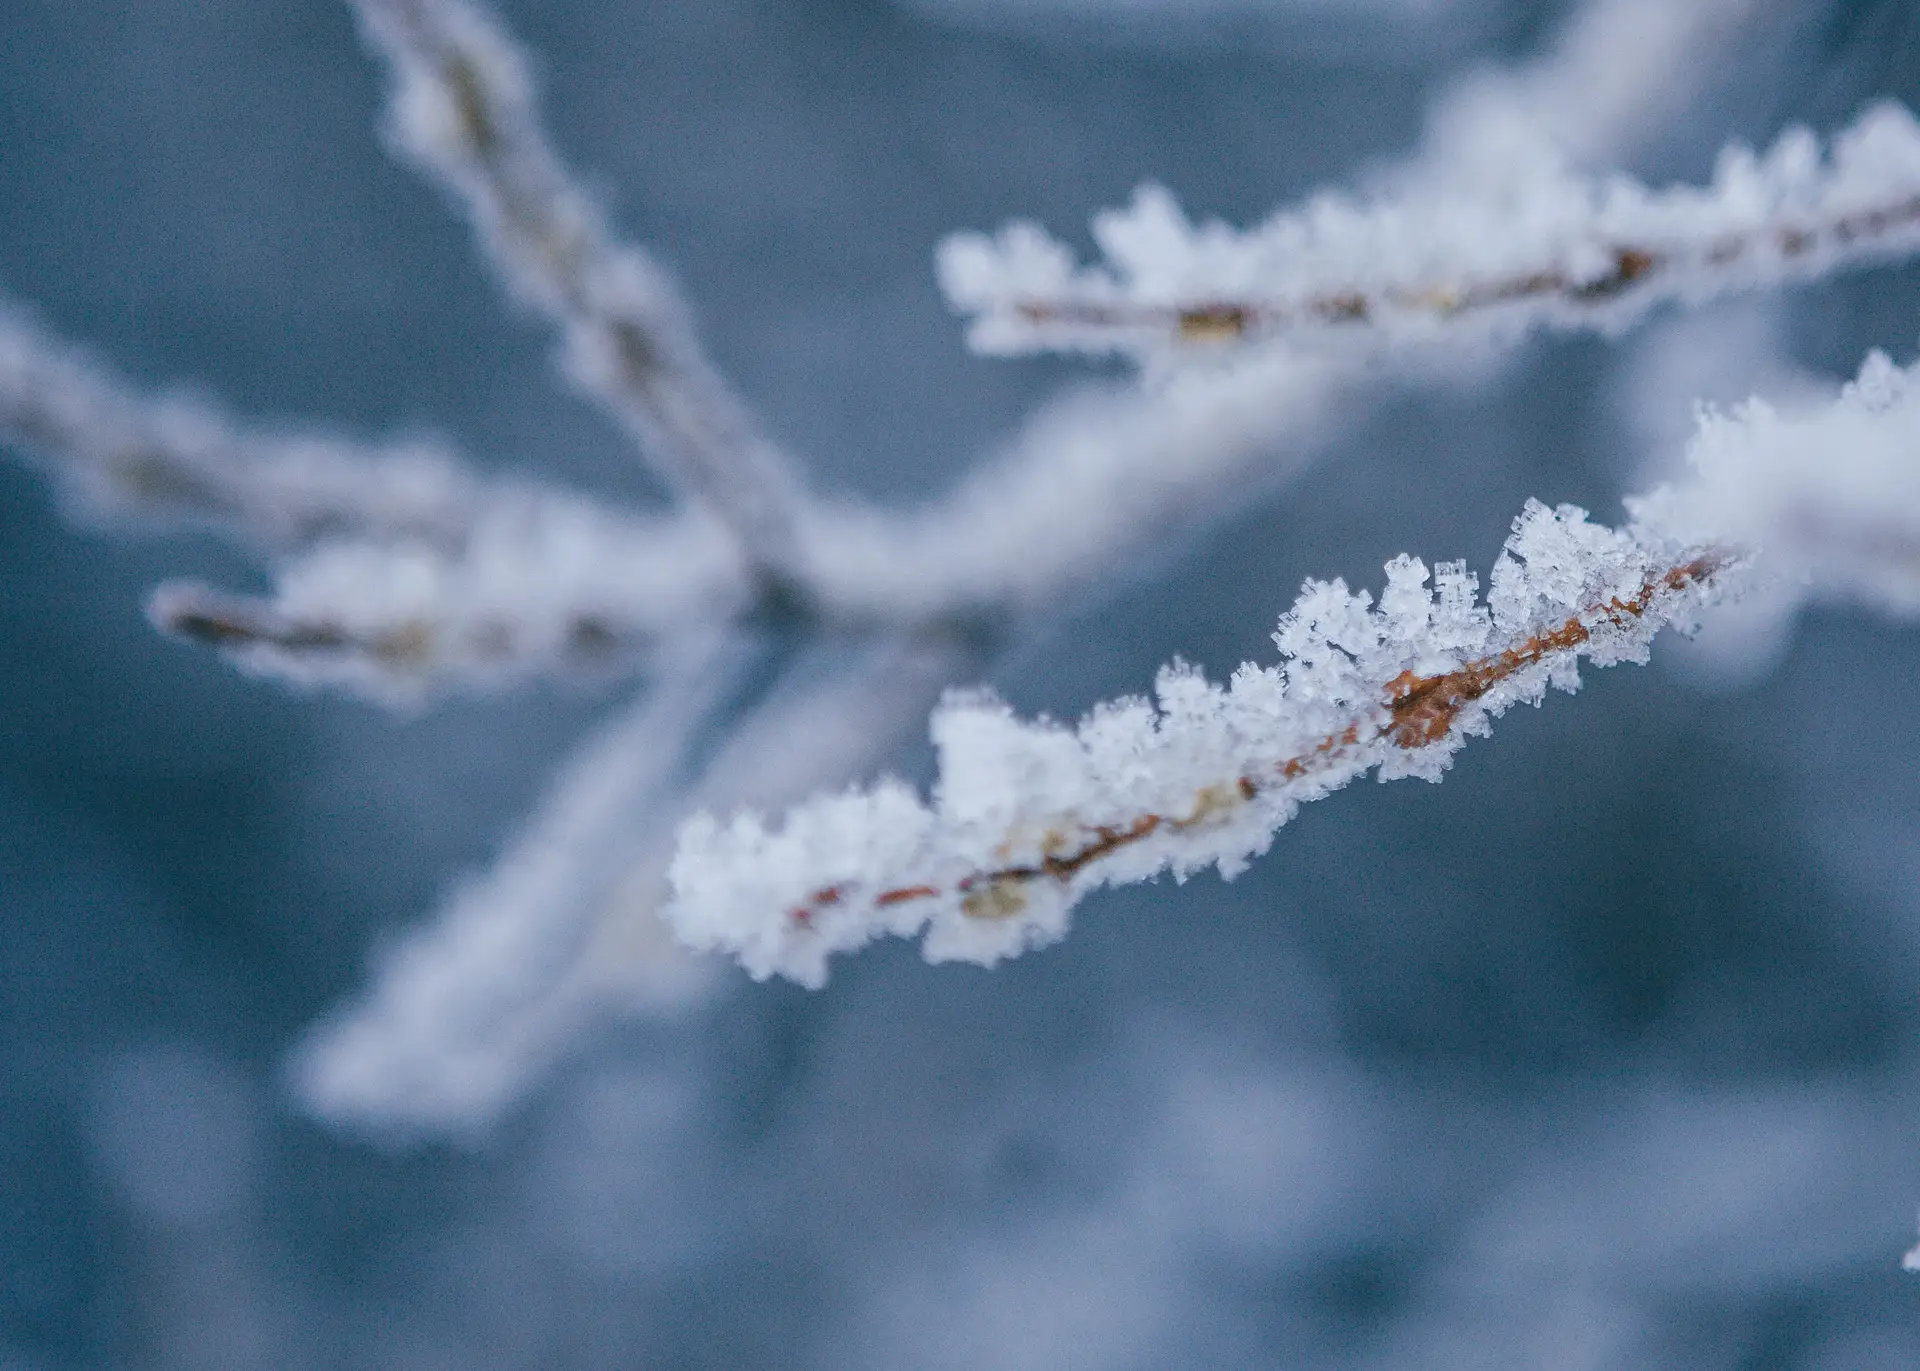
(1603, 1054)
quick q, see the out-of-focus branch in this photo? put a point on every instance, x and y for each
(474, 1002)
(563, 931)
(464, 110)
(1088, 483)
(1028, 817)
(399, 570)
(1553, 250)
(549, 585)
(1829, 493)
(175, 457)
(1616, 74)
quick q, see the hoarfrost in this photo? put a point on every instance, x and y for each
(1027, 817)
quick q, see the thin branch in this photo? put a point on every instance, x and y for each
(1638, 274)
(1829, 492)
(464, 110)
(172, 456)
(548, 586)
(1419, 711)
(482, 995)
(564, 931)
(1029, 817)
(1549, 249)
(1087, 484)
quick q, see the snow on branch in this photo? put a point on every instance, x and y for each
(1028, 817)
(1088, 481)
(427, 578)
(176, 457)
(400, 570)
(545, 584)
(472, 1003)
(464, 110)
(1829, 493)
(564, 931)
(1552, 249)
(1618, 71)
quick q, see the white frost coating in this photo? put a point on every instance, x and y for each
(485, 994)
(1100, 472)
(172, 455)
(1619, 71)
(1028, 817)
(1090, 478)
(564, 932)
(464, 110)
(400, 570)
(539, 584)
(1548, 249)
(1828, 494)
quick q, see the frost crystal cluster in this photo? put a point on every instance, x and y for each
(1028, 817)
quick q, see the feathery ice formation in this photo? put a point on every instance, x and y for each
(1028, 817)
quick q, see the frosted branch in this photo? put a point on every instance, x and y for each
(477, 1000)
(1088, 481)
(1555, 250)
(1829, 493)
(171, 456)
(403, 571)
(542, 585)
(472, 585)
(1028, 817)
(1616, 73)
(464, 110)
(564, 932)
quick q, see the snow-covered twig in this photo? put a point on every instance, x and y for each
(398, 569)
(1028, 817)
(1086, 484)
(1830, 493)
(470, 1005)
(1553, 250)
(464, 110)
(176, 457)
(542, 584)
(564, 930)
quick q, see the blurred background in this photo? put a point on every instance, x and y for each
(1605, 1054)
